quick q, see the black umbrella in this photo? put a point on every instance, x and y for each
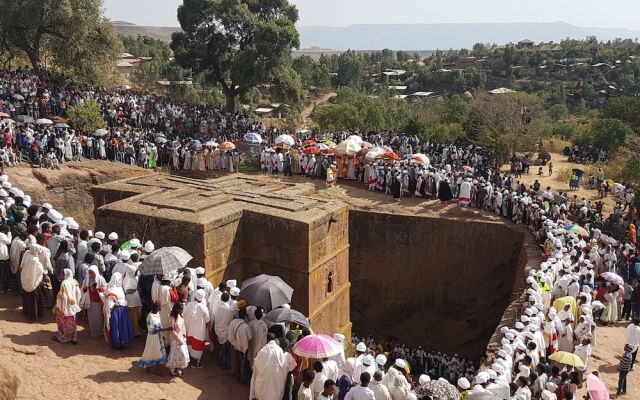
(287, 315)
(266, 291)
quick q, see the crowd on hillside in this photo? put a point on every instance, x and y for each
(142, 128)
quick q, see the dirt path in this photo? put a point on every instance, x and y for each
(305, 116)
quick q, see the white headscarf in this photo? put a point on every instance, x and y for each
(69, 295)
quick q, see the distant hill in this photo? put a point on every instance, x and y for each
(129, 29)
(446, 36)
(319, 39)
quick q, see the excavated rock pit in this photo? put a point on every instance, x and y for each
(443, 283)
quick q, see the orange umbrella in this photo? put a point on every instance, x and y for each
(308, 143)
(227, 146)
(311, 150)
(391, 155)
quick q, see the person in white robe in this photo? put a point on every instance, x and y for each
(270, 371)
(196, 318)
(240, 338)
(258, 335)
(223, 317)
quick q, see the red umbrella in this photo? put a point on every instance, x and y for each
(308, 143)
(311, 150)
(328, 151)
(4, 115)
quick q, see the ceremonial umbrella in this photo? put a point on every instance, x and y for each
(440, 389)
(391, 155)
(366, 145)
(8, 121)
(372, 156)
(317, 347)
(227, 146)
(348, 147)
(308, 142)
(101, 132)
(420, 158)
(285, 139)
(567, 358)
(252, 138)
(17, 96)
(612, 277)
(328, 151)
(4, 115)
(61, 125)
(321, 146)
(287, 315)
(596, 388)
(576, 229)
(164, 261)
(483, 396)
(25, 119)
(44, 121)
(355, 138)
(311, 150)
(266, 291)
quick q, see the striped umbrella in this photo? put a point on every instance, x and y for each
(317, 347)
(577, 229)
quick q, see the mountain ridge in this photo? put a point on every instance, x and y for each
(419, 36)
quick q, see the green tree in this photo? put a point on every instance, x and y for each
(626, 109)
(609, 133)
(505, 123)
(237, 44)
(76, 34)
(558, 112)
(350, 69)
(86, 117)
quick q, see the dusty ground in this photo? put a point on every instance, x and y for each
(91, 370)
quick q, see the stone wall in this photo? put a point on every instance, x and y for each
(437, 282)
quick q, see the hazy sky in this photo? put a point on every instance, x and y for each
(590, 13)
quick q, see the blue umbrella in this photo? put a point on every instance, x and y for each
(253, 138)
(194, 144)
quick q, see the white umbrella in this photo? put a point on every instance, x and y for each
(101, 132)
(285, 139)
(355, 138)
(348, 147)
(44, 121)
(17, 96)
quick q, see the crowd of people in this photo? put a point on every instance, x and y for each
(587, 282)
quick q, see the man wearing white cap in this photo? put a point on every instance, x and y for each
(196, 318)
(223, 317)
(464, 386)
(395, 380)
(367, 364)
(149, 247)
(207, 286)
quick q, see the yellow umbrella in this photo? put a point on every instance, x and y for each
(566, 358)
(561, 302)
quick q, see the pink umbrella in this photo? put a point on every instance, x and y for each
(613, 278)
(596, 388)
(468, 169)
(317, 346)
